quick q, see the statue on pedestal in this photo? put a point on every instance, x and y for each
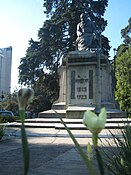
(86, 34)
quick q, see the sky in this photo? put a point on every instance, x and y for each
(21, 20)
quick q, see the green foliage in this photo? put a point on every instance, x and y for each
(10, 103)
(30, 66)
(46, 92)
(121, 49)
(123, 70)
(57, 37)
(125, 33)
(118, 157)
(67, 15)
(123, 77)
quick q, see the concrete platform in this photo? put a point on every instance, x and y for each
(52, 151)
(76, 112)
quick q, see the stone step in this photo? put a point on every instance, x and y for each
(59, 106)
(73, 121)
(70, 126)
(83, 127)
(114, 113)
(77, 112)
(52, 114)
(74, 124)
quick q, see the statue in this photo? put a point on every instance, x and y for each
(86, 34)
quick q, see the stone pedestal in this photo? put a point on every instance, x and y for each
(79, 76)
(84, 87)
(81, 80)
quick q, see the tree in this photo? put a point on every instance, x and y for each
(10, 103)
(32, 73)
(125, 33)
(123, 70)
(66, 14)
(57, 37)
(30, 65)
(46, 92)
(123, 76)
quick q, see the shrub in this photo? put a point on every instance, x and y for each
(118, 157)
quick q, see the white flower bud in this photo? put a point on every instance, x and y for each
(25, 96)
(93, 122)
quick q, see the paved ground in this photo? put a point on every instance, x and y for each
(52, 152)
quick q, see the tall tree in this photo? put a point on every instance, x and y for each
(57, 37)
(30, 65)
(66, 13)
(123, 70)
(125, 33)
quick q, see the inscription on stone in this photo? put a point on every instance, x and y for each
(90, 84)
(82, 89)
(82, 97)
(81, 85)
(81, 80)
(72, 84)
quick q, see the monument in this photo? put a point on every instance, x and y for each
(79, 83)
(85, 75)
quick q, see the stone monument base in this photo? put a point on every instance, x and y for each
(76, 112)
(79, 87)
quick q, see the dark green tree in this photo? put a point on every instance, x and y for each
(57, 37)
(32, 73)
(123, 70)
(10, 103)
(65, 15)
(30, 65)
(125, 33)
(46, 92)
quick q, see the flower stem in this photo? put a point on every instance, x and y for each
(25, 146)
(95, 139)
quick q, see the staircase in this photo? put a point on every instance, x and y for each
(73, 124)
(51, 118)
